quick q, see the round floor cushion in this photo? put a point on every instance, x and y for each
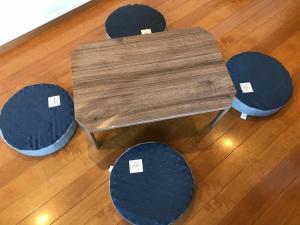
(38, 120)
(263, 84)
(151, 184)
(130, 20)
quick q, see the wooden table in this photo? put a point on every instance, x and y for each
(146, 78)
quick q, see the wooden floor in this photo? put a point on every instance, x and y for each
(245, 172)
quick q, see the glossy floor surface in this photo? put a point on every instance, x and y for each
(245, 171)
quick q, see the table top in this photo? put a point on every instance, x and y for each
(146, 78)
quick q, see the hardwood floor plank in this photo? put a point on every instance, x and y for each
(239, 17)
(251, 34)
(6, 155)
(212, 156)
(217, 178)
(108, 215)
(87, 208)
(264, 193)
(55, 38)
(243, 182)
(50, 186)
(291, 63)
(201, 12)
(42, 170)
(284, 207)
(69, 196)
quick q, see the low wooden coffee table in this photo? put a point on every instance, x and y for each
(147, 78)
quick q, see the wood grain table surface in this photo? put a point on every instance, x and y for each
(146, 78)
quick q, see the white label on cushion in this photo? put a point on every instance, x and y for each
(243, 116)
(136, 166)
(53, 101)
(146, 31)
(246, 87)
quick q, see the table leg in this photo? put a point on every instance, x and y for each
(219, 116)
(92, 138)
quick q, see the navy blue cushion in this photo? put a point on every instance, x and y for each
(131, 19)
(158, 195)
(270, 81)
(26, 121)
